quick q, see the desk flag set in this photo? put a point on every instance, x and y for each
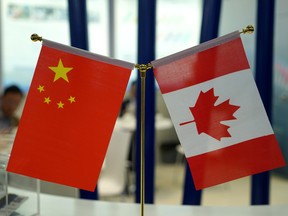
(75, 96)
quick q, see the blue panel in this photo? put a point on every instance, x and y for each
(79, 39)
(190, 196)
(209, 30)
(88, 195)
(78, 24)
(210, 20)
(146, 53)
(264, 69)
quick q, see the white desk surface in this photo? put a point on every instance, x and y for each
(64, 206)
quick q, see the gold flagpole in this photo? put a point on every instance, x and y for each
(142, 68)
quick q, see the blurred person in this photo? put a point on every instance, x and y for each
(129, 103)
(9, 102)
(128, 113)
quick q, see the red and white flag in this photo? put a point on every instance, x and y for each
(217, 111)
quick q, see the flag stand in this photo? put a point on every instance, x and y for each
(142, 68)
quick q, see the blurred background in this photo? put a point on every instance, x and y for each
(178, 26)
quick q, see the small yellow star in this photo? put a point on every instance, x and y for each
(60, 105)
(72, 99)
(61, 71)
(47, 100)
(40, 88)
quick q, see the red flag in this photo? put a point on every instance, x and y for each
(69, 115)
(217, 111)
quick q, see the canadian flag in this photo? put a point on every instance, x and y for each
(217, 111)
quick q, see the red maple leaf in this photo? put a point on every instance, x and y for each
(208, 116)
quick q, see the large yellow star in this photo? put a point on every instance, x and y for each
(61, 71)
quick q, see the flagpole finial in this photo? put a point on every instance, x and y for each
(248, 30)
(143, 68)
(35, 37)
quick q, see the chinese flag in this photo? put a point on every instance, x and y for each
(69, 115)
(217, 112)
